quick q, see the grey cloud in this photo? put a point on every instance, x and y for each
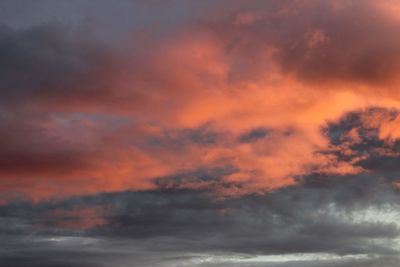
(47, 63)
(253, 135)
(308, 218)
(376, 154)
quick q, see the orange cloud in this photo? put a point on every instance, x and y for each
(292, 69)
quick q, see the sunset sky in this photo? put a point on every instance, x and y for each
(199, 133)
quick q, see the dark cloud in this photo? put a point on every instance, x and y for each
(46, 63)
(184, 222)
(180, 139)
(253, 135)
(202, 179)
(358, 135)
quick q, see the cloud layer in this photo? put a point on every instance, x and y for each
(174, 133)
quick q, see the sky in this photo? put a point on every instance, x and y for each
(199, 133)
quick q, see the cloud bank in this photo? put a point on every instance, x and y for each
(174, 133)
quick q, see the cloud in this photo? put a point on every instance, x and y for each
(94, 117)
(252, 133)
(356, 215)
